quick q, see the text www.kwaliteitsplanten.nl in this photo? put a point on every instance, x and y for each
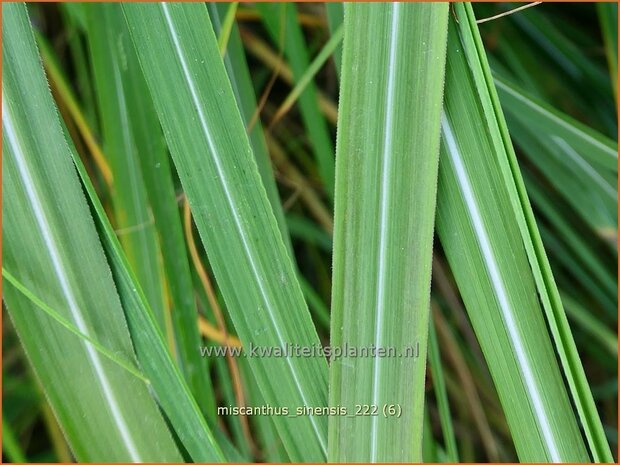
(297, 350)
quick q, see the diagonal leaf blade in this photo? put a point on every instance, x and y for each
(579, 162)
(172, 392)
(123, 150)
(179, 54)
(48, 227)
(497, 233)
(152, 178)
(241, 83)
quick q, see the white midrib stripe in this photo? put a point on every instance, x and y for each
(386, 162)
(590, 171)
(613, 154)
(37, 207)
(231, 204)
(500, 291)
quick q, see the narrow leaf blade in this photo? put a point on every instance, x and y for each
(393, 61)
(230, 207)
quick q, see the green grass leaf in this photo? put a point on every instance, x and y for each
(590, 259)
(496, 233)
(280, 18)
(10, 444)
(309, 74)
(578, 161)
(441, 396)
(51, 246)
(608, 17)
(335, 17)
(586, 83)
(236, 223)
(159, 106)
(169, 387)
(153, 179)
(241, 82)
(227, 25)
(393, 62)
(71, 327)
(123, 148)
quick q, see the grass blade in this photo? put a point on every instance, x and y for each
(578, 161)
(308, 76)
(154, 173)
(61, 86)
(553, 42)
(71, 327)
(516, 345)
(172, 392)
(241, 82)
(10, 445)
(335, 17)
(173, 41)
(49, 237)
(598, 149)
(579, 247)
(608, 17)
(382, 254)
(281, 18)
(592, 326)
(239, 75)
(227, 25)
(439, 386)
(134, 223)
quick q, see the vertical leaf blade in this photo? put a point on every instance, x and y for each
(393, 61)
(172, 392)
(281, 18)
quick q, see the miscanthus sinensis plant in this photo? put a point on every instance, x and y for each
(185, 182)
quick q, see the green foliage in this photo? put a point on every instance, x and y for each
(386, 179)
(232, 211)
(501, 136)
(48, 227)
